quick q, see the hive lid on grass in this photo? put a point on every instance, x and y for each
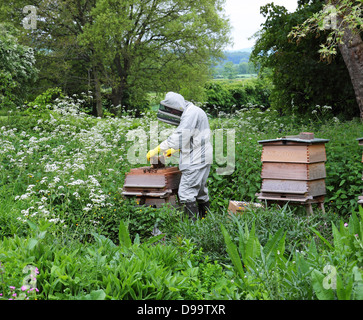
(360, 140)
(303, 137)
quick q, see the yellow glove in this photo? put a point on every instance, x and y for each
(169, 152)
(153, 153)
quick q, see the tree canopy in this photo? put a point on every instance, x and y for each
(342, 20)
(301, 81)
(17, 68)
(126, 48)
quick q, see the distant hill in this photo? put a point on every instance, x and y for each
(235, 63)
(236, 57)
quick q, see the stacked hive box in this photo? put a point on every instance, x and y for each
(152, 187)
(360, 200)
(293, 169)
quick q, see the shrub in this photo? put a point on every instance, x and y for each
(17, 69)
(102, 270)
(230, 97)
(343, 165)
(266, 272)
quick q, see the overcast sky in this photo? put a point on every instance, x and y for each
(245, 19)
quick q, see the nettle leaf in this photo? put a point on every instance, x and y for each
(124, 236)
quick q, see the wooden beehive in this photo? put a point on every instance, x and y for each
(293, 169)
(153, 187)
(360, 199)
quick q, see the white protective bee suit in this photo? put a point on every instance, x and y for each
(192, 137)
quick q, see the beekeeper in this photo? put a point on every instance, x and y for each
(192, 139)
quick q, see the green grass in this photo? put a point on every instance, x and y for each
(61, 208)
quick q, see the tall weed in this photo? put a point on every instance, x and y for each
(268, 273)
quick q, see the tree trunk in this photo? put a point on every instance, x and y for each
(119, 93)
(351, 49)
(352, 52)
(117, 96)
(99, 109)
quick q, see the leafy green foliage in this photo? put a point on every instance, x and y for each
(268, 273)
(300, 80)
(124, 237)
(184, 39)
(17, 69)
(71, 222)
(43, 102)
(344, 174)
(233, 253)
(230, 97)
(102, 270)
(350, 15)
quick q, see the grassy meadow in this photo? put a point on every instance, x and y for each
(66, 232)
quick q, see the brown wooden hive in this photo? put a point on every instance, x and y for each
(293, 169)
(152, 186)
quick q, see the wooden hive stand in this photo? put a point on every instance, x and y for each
(360, 198)
(293, 170)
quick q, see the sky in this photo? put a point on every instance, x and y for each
(245, 19)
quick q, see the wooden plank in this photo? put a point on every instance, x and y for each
(146, 181)
(147, 194)
(316, 153)
(291, 197)
(173, 181)
(294, 153)
(317, 188)
(293, 171)
(311, 188)
(316, 171)
(278, 170)
(152, 171)
(284, 186)
(299, 197)
(280, 153)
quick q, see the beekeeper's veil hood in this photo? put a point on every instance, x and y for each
(171, 108)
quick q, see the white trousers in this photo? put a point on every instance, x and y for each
(193, 185)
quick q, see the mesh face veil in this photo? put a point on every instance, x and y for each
(169, 115)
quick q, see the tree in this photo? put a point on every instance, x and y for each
(17, 70)
(61, 61)
(300, 80)
(343, 19)
(243, 68)
(155, 45)
(230, 70)
(130, 47)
